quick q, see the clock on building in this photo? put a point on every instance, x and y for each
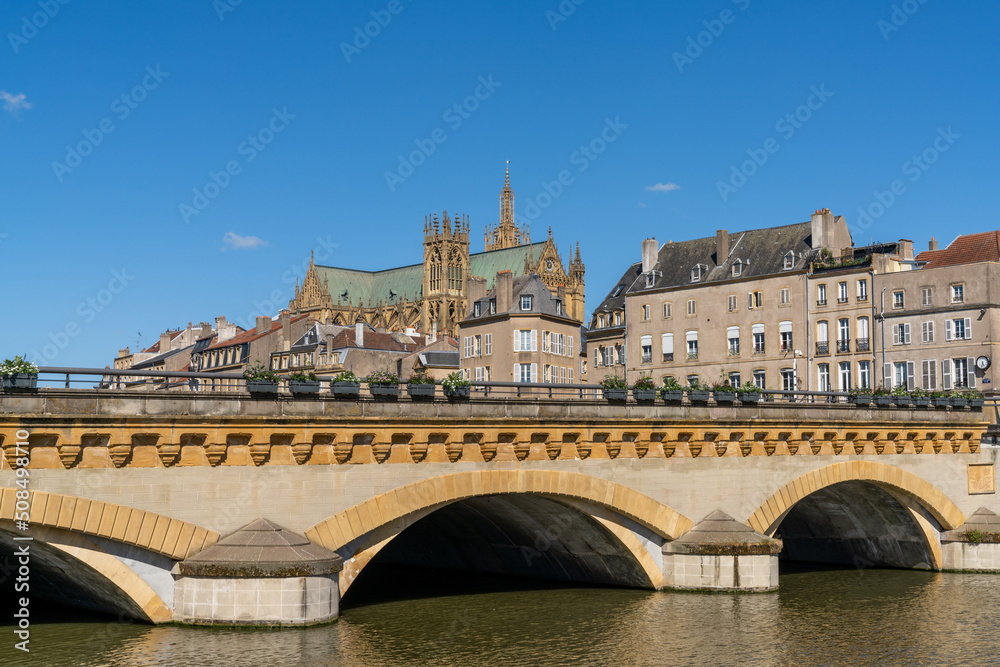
(983, 363)
(549, 265)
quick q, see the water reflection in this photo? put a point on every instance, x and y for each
(820, 616)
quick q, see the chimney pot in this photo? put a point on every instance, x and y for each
(721, 246)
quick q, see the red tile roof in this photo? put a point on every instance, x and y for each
(252, 334)
(983, 247)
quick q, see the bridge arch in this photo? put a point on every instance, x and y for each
(625, 520)
(897, 513)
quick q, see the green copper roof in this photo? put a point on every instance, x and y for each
(364, 287)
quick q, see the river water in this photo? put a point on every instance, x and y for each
(819, 617)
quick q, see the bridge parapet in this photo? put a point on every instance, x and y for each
(108, 429)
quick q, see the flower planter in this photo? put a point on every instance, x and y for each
(882, 400)
(421, 391)
(959, 402)
(345, 390)
(458, 393)
(19, 381)
(921, 401)
(262, 387)
(976, 403)
(861, 399)
(616, 395)
(304, 386)
(644, 395)
(941, 401)
(749, 397)
(698, 395)
(901, 400)
(384, 392)
(672, 395)
(724, 396)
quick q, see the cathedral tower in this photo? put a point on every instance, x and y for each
(446, 271)
(506, 234)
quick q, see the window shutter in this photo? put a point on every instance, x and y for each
(970, 363)
(887, 375)
(909, 376)
(545, 341)
(534, 340)
(570, 352)
(534, 372)
(906, 334)
(895, 334)
(946, 373)
(750, 301)
(517, 341)
(947, 329)
(968, 328)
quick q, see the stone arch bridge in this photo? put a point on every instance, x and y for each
(132, 495)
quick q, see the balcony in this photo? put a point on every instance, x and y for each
(668, 356)
(692, 356)
(823, 348)
(862, 345)
(843, 346)
(647, 358)
(842, 299)
(820, 302)
(862, 298)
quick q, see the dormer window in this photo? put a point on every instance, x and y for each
(600, 321)
(618, 290)
(476, 309)
(650, 279)
(789, 261)
(737, 269)
(696, 273)
(558, 307)
(493, 306)
(525, 302)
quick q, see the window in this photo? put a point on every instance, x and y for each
(865, 374)
(785, 335)
(692, 380)
(477, 345)
(526, 341)
(928, 373)
(467, 347)
(958, 329)
(899, 374)
(650, 278)
(897, 299)
(824, 377)
(760, 379)
(733, 338)
(843, 335)
(784, 296)
(758, 338)
(958, 293)
(755, 300)
(562, 374)
(569, 375)
(787, 379)
(901, 334)
(493, 306)
(958, 373)
(475, 309)
(525, 373)
(789, 262)
(692, 307)
(545, 341)
(927, 332)
(733, 305)
(546, 375)
(583, 367)
(820, 295)
(842, 292)
(737, 269)
(822, 337)
(927, 296)
(844, 376)
(488, 344)
(692, 344)
(525, 302)
(600, 321)
(620, 352)
(667, 310)
(618, 290)
(862, 290)
(480, 374)
(618, 318)
(646, 346)
(864, 336)
(558, 307)
(667, 346)
(645, 313)
(696, 273)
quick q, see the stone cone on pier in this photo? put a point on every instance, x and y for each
(262, 574)
(720, 553)
(975, 545)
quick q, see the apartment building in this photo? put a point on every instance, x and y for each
(606, 335)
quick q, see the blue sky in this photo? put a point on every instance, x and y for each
(116, 117)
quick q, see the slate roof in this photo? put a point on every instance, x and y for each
(966, 249)
(252, 334)
(615, 300)
(542, 302)
(762, 252)
(440, 359)
(364, 287)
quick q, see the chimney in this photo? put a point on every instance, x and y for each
(123, 353)
(505, 291)
(649, 249)
(822, 229)
(263, 324)
(164, 342)
(329, 347)
(476, 291)
(906, 249)
(434, 332)
(359, 333)
(933, 244)
(285, 318)
(721, 247)
(224, 330)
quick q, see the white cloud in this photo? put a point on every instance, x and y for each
(14, 103)
(663, 187)
(235, 241)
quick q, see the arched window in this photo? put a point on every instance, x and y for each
(435, 282)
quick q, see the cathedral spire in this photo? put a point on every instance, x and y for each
(506, 234)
